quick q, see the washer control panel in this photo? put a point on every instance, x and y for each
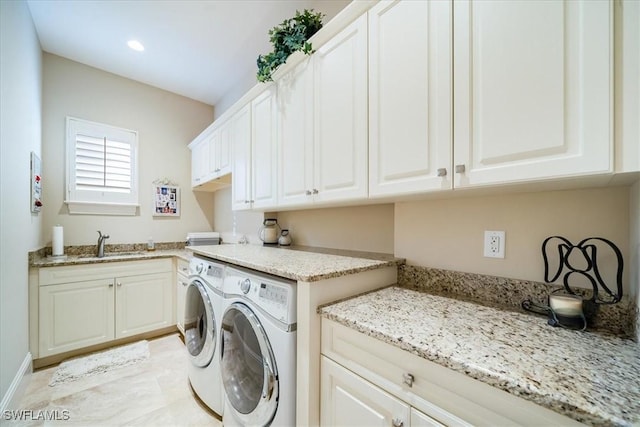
(209, 271)
(274, 296)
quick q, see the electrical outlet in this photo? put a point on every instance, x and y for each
(494, 242)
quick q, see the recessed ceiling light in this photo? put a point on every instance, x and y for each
(135, 45)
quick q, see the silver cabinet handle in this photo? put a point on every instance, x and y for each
(408, 379)
(119, 284)
(111, 285)
(183, 283)
(397, 422)
(246, 201)
(442, 172)
(315, 191)
(185, 269)
(308, 193)
(460, 168)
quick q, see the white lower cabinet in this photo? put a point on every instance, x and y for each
(182, 281)
(76, 315)
(117, 300)
(365, 381)
(350, 400)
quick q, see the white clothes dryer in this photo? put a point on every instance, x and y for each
(258, 355)
(203, 316)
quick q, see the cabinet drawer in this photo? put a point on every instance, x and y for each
(76, 273)
(448, 396)
(182, 267)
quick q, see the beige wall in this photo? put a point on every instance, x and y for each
(234, 225)
(363, 228)
(449, 233)
(165, 123)
(20, 134)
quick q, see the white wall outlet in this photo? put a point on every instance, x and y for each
(494, 244)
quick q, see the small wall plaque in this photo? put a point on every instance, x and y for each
(36, 183)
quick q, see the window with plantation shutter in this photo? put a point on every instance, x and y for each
(101, 169)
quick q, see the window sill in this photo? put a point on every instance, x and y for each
(95, 208)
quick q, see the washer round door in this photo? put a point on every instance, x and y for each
(199, 325)
(249, 373)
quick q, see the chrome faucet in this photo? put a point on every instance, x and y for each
(101, 239)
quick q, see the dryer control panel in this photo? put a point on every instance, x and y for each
(273, 293)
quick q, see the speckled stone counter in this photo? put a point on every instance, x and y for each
(37, 260)
(589, 377)
(297, 263)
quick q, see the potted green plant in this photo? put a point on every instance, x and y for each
(290, 36)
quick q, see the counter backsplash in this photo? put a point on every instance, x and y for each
(620, 318)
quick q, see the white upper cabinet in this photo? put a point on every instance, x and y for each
(322, 105)
(199, 161)
(241, 159)
(340, 116)
(532, 90)
(211, 158)
(295, 136)
(221, 153)
(264, 149)
(627, 108)
(409, 97)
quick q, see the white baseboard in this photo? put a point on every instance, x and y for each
(17, 385)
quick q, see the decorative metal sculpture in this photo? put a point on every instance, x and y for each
(589, 251)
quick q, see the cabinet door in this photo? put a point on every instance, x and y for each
(263, 149)
(532, 89)
(295, 137)
(181, 293)
(349, 400)
(75, 315)
(420, 419)
(182, 281)
(241, 164)
(340, 116)
(200, 157)
(409, 97)
(223, 149)
(214, 152)
(143, 303)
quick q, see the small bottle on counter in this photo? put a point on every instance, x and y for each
(150, 245)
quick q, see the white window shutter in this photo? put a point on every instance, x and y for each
(102, 168)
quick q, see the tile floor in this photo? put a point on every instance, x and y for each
(154, 392)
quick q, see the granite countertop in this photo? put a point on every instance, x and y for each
(297, 262)
(589, 377)
(38, 260)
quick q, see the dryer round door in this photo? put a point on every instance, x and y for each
(248, 367)
(199, 325)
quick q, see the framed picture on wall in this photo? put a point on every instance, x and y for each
(166, 200)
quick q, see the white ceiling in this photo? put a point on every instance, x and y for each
(200, 49)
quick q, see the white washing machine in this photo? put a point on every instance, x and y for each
(258, 356)
(203, 316)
